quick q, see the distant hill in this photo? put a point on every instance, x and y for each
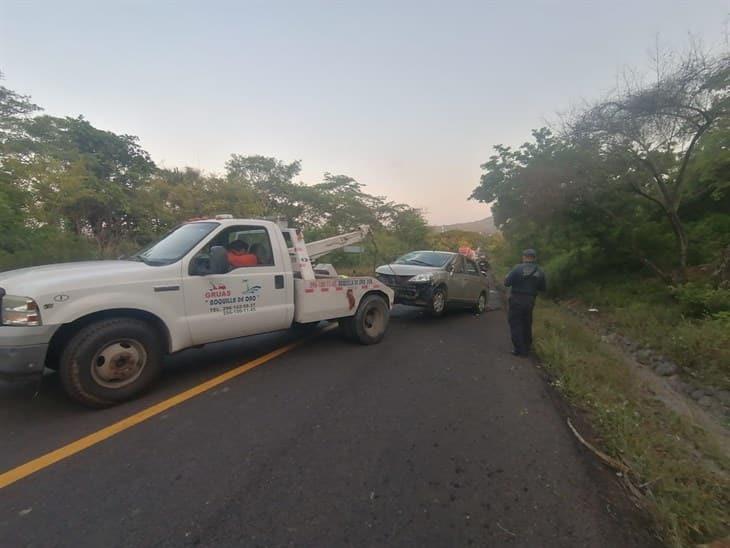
(483, 226)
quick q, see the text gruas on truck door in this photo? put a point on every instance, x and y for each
(228, 302)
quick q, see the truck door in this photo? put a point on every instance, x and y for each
(255, 296)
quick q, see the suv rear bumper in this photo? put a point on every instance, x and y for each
(23, 350)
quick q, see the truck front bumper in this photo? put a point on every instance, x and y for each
(23, 350)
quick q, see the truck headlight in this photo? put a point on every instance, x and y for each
(426, 277)
(19, 311)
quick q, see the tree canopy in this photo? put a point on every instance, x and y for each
(636, 180)
(70, 190)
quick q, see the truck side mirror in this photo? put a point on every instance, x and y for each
(218, 260)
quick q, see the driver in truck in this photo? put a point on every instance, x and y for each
(238, 255)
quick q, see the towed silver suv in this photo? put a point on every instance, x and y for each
(436, 280)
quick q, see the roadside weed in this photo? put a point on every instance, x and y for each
(683, 475)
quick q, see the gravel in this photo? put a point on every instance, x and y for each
(723, 396)
(666, 368)
(706, 401)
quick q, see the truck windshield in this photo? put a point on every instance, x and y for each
(425, 258)
(175, 245)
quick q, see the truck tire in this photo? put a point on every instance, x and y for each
(371, 320)
(437, 304)
(111, 361)
(481, 305)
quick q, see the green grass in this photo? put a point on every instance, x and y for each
(689, 487)
(647, 311)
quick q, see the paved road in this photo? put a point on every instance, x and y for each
(436, 437)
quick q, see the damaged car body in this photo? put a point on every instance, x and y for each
(436, 280)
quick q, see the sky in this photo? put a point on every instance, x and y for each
(407, 97)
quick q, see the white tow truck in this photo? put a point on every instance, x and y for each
(106, 325)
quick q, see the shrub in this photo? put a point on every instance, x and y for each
(707, 236)
(699, 300)
(46, 246)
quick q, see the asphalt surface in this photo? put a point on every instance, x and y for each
(435, 437)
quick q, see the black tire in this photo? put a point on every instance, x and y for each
(370, 322)
(481, 305)
(120, 346)
(438, 302)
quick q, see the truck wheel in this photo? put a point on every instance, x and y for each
(437, 306)
(110, 361)
(370, 320)
(481, 305)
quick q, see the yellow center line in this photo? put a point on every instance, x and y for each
(35, 465)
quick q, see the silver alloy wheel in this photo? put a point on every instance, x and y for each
(119, 364)
(374, 321)
(438, 301)
(482, 303)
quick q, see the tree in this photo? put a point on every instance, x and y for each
(65, 183)
(564, 195)
(410, 226)
(82, 178)
(527, 182)
(271, 179)
(651, 132)
(15, 109)
(338, 203)
(176, 195)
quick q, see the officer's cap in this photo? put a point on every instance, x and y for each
(529, 253)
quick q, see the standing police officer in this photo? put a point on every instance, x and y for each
(526, 280)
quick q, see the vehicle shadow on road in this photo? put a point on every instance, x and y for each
(412, 314)
(182, 370)
(185, 369)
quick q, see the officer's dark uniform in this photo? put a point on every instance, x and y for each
(526, 280)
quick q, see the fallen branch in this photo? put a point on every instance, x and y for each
(506, 530)
(648, 483)
(625, 471)
(613, 463)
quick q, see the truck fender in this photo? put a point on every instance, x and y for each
(125, 305)
(377, 292)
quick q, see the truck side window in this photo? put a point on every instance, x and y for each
(246, 246)
(471, 268)
(287, 238)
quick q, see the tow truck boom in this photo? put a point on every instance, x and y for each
(317, 249)
(304, 254)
